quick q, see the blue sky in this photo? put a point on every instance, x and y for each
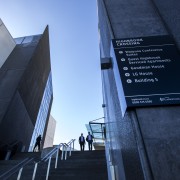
(75, 63)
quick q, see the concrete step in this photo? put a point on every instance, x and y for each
(77, 177)
(85, 165)
(6, 165)
(23, 155)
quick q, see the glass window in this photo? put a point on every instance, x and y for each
(43, 112)
(19, 40)
(27, 39)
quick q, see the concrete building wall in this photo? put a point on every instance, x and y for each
(33, 81)
(13, 110)
(7, 43)
(11, 73)
(49, 137)
(23, 78)
(144, 144)
(16, 125)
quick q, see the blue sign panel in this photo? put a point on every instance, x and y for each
(149, 71)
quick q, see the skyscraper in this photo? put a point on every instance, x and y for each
(25, 87)
(142, 123)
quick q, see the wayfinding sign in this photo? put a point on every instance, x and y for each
(148, 70)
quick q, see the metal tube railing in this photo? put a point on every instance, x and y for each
(48, 158)
(56, 150)
(16, 168)
(34, 172)
(49, 164)
(66, 152)
(70, 150)
(19, 174)
(56, 159)
(9, 147)
(62, 153)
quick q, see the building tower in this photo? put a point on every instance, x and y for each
(143, 134)
(25, 88)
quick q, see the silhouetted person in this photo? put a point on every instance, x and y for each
(38, 143)
(89, 139)
(82, 142)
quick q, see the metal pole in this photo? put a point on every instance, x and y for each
(49, 163)
(62, 152)
(23, 148)
(73, 145)
(66, 154)
(70, 150)
(8, 154)
(34, 172)
(57, 155)
(19, 174)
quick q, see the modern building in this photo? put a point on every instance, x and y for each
(49, 137)
(142, 114)
(25, 88)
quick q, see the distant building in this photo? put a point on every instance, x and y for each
(142, 143)
(25, 87)
(50, 132)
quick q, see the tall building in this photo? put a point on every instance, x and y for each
(25, 88)
(139, 49)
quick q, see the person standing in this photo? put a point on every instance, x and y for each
(82, 142)
(89, 139)
(38, 143)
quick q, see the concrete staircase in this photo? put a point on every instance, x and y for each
(86, 165)
(6, 165)
(9, 164)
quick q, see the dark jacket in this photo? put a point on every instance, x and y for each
(81, 141)
(90, 141)
(38, 139)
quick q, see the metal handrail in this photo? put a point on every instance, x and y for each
(19, 167)
(16, 168)
(51, 152)
(56, 150)
(9, 147)
(10, 144)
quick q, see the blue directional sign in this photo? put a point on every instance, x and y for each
(148, 70)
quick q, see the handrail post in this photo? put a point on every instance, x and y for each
(66, 153)
(65, 147)
(62, 152)
(34, 172)
(57, 155)
(49, 164)
(70, 150)
(8, 154)
(19, 174)
(73, 144)
(23, 148)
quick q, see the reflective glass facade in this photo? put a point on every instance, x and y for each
(27, 39)
(43, 112)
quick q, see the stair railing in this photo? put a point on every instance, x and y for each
(55, 151)
(9, 148)
(16, 168)
(65, 148)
